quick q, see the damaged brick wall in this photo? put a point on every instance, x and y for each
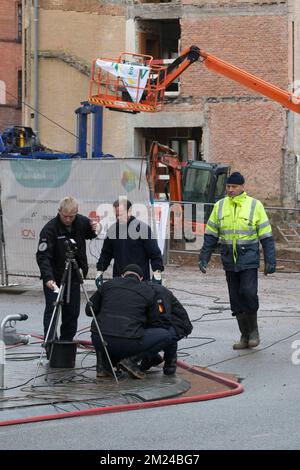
(103, 7)
(11, 62)
(243, 128)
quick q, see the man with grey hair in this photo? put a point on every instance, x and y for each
(51, 258)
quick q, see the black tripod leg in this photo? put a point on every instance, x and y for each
(59, 300)
(80, 278)
(55, 314)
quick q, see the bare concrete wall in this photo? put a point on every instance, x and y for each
(69, 39)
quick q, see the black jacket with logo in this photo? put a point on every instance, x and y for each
(122, 307)
(51, 253)
(173, 313)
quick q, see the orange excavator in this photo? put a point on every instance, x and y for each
(191, 181)
(196, 183)
(137, 83)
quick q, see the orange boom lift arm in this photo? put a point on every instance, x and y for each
(162, 76)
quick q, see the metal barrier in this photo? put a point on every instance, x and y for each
(285, 222)
(24, 217)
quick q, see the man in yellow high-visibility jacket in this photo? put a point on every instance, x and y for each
(240, 222)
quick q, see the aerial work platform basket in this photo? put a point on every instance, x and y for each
(131, 83)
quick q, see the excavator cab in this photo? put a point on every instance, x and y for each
(196, 182)
(191, 181)
(204, 183)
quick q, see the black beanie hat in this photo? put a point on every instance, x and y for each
(235, 178)
(134, 268)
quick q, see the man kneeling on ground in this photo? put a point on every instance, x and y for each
(124, 310)
(170, 314)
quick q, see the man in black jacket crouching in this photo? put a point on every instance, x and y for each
(170, 315)
(125, 311)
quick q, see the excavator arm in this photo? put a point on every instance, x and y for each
(160, 154)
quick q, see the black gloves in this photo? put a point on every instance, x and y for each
(202, 266)
(156, 278)
(269, 269)
(99, 279)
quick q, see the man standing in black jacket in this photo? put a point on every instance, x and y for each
(124, 311)
(129, 240)
(51, 257)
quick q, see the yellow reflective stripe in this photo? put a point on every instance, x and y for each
(265, 230)
(220, 208)
(238, 232)
(252, 209)
(264, 224)
(210, 232)
(265, 235)
(210, 222)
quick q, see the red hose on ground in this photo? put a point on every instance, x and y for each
(234, 389)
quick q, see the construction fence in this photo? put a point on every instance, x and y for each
(30, 191)
(30, 195)
(286, 230)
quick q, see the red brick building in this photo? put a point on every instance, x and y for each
(206, 116)
(10, 63)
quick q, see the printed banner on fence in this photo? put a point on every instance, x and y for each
(31, 191)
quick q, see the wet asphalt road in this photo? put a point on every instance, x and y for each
(265, 416)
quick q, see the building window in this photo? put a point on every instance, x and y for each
(161, 39)
(185, 141)
(19, 16)
(20, 88)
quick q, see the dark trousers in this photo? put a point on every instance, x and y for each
(70, 312)
(242, 287)
(171, 350)
(152, 341)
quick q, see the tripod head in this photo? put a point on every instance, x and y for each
(71, 249)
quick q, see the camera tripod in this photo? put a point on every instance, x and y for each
(57, 311)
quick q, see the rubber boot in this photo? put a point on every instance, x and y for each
(102, 365)
(170, 364)
(244, 329)
(253, 331)
(149, 362)
(129, 364)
